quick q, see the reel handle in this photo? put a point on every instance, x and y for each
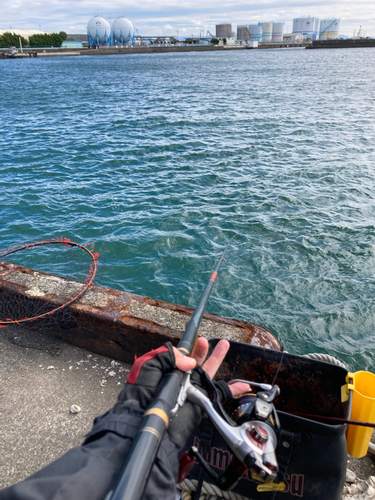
(230, 476)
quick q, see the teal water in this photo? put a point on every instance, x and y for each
(161, 159)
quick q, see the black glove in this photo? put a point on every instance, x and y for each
(141, 388)
(145, 376)
(190, 415)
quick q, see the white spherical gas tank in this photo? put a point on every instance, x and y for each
(122, 30)
(99, 29)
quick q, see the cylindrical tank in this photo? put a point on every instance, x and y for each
(256, 31)
(243, 32)
(277, 32)
(223, 30)
(307, 26)
(98, 31)
(267, 32)
(329, 29)
(122, 30)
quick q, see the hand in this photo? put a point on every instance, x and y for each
(148, 370)
(212, 364)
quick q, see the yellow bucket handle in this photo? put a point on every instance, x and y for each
(349, 386)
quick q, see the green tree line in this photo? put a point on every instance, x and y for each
(43, 39)
(9, 39)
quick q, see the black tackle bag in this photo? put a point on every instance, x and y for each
(311, 454)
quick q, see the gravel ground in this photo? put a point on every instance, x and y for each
(37, 390)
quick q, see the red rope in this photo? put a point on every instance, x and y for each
(87, 285)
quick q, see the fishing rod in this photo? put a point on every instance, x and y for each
(134, 474)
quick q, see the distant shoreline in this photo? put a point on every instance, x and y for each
(141, 49)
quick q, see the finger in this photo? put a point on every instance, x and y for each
(200, 351)
(239, 388)
(183, 363)
(211, 366)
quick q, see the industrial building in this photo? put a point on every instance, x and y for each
(292, 38)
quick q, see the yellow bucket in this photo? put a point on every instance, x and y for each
(363, 410)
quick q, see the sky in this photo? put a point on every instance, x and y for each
(182, 17)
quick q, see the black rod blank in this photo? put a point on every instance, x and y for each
(134, 474)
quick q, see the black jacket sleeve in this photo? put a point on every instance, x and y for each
(90, 470)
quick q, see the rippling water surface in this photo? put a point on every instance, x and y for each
(161, 159)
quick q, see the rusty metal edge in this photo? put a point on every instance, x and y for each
(113, 331)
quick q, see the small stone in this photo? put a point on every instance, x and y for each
(362, 487)
(352, 490)
(75, 409)
(350, 476)
(50, 367)
(370, 493)
(112, 373)
(102, 383)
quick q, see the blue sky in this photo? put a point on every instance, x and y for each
(187, 17)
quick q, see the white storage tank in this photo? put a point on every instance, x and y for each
(98, 31)
(277, 32)
(329, 29)
(307, 26)
(267, 32)
(122, 30)
(256, 31)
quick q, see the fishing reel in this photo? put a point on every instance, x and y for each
(249, 428)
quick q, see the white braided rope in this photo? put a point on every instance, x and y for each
(325, 357)
(209, 491)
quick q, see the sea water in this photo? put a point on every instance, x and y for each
(161, 159)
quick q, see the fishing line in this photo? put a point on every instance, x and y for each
(278, 368)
